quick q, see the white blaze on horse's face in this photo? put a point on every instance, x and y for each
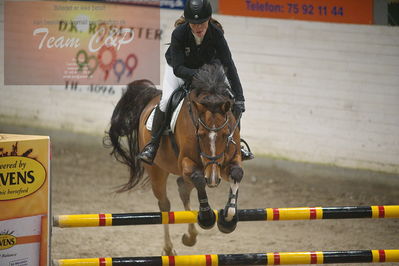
(212, 146)
(213, 179)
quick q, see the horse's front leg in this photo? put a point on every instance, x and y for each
(206, 216)
(228, 217)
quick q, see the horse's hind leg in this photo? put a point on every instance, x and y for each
(158, 184)
(184, 191)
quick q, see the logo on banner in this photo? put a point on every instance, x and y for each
(7, 240)
(20, 177)
(115, 38)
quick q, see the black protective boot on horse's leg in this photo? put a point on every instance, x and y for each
(246, 153)
(206, 217)
(158, 126)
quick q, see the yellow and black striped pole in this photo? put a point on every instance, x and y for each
(245, 215)
(272, 258)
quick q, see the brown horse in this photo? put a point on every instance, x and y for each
(208, 140)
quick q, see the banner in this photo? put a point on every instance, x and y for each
(173, 4)
(170, 4)
(344, 11)
(61, 43)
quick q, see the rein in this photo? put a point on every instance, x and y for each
(229, 139)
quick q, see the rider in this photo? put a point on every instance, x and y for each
(194, 43)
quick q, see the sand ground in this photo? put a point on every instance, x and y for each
(84, 177)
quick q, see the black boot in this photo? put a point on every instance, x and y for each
(246, 153)
(158, 126)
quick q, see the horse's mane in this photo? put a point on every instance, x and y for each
(210, 86)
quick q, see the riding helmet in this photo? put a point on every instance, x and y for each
(197, 11)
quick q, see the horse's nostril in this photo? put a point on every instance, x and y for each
(214, 184)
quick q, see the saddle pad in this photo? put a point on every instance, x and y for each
(175, 114)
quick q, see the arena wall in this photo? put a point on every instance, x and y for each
(315, 92)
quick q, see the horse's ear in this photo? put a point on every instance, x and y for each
(200, 107)
(226, 107)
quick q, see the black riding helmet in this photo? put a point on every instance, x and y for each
(197, 11)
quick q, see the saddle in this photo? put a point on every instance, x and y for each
(174, 105)
(172, 110)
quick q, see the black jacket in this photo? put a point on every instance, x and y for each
(186, 57)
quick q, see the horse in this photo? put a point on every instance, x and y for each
(208, 139)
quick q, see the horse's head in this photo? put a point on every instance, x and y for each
(214, 120)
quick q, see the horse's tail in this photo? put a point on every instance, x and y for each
(123, 132)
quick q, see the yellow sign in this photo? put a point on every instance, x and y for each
(20, 177)
(24, 199)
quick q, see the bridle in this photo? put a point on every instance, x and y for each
(198, 121)
(213, 159)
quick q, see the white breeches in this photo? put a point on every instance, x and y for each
(170, 83)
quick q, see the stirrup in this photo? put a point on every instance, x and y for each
(246, 153)
(148, 154)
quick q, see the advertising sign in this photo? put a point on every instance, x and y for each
(170, 4)
(56, 43)
(173, 4)
(344, 11)
(24, 200)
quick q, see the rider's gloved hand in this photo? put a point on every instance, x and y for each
(238, 108)
(240, 105)
(188, 81)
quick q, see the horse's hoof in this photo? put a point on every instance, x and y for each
(169, 252)
(206, 220)
(225, 226)
(188, 241)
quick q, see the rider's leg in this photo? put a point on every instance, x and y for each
(158, 125)
(170, 83)
(246, 153)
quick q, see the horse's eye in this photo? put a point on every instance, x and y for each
(201, 133)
